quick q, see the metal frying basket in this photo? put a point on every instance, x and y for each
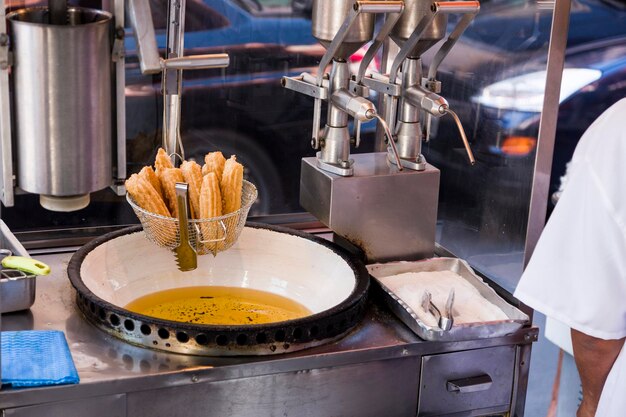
(211, 235)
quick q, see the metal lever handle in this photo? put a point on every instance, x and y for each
(138, 12)
(467, 6)
(470, 154)
(469, 9)
(196, 62)
(373, 6)
(470, 384)
(389, 137)
(378, 41)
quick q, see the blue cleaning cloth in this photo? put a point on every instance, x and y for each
(36, 357)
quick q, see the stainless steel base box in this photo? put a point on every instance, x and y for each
(389, 214)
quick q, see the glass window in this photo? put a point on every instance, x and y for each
(494, 78)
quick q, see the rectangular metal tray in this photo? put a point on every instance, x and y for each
(17, 289)
(465, 331)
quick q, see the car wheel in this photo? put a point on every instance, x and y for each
(259, 168)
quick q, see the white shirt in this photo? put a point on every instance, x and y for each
(577, 274)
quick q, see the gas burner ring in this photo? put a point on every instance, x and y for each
(264, 339)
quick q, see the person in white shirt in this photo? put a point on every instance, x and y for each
(577, 274)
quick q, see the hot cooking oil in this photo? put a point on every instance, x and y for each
(218, 305)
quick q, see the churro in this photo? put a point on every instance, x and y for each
(162, 161)
(214, 162)
(210, 207)
(231, 185)
(145, 196)
(148, 174)
(192, 174)
(210, 197)
(168, 178)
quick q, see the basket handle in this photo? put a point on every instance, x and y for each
(221, 222)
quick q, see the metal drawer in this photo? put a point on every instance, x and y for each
(469, 383)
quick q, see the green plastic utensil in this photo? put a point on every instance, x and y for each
(29, 265)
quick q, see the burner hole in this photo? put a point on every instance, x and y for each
(129, 325)
(128, 361)
(92, 307)
(330, 328)
(182, 337)
(221, 340)
(202, 339)
(352, 317)
(279, 336)
(114, 320)
(145, 329)
(144, 365)
(242, 339)
(343, 324)
(313, 331)
(297, 333)
(261, 338)
(163, 333)
(102, 314)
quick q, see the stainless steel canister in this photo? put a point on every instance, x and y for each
(328, 16)
(62, 90)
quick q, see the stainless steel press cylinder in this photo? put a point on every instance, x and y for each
(62, 90)
(327, 18)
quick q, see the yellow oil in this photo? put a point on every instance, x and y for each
(218, 305)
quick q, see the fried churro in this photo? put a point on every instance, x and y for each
(214, 162)
(210, 207)
(192, 174)
(148, 174)
(162, 161)
(168, 178)
(231, 185)
(210, 197)
(146, 197)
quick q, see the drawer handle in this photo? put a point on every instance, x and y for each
(471, 384)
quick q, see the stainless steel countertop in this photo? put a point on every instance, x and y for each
(107, 365)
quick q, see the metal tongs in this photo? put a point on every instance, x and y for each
(186, 256)
(445, 320)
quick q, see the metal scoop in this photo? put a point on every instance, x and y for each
(186, 256)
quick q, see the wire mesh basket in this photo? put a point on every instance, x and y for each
(211, 235)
